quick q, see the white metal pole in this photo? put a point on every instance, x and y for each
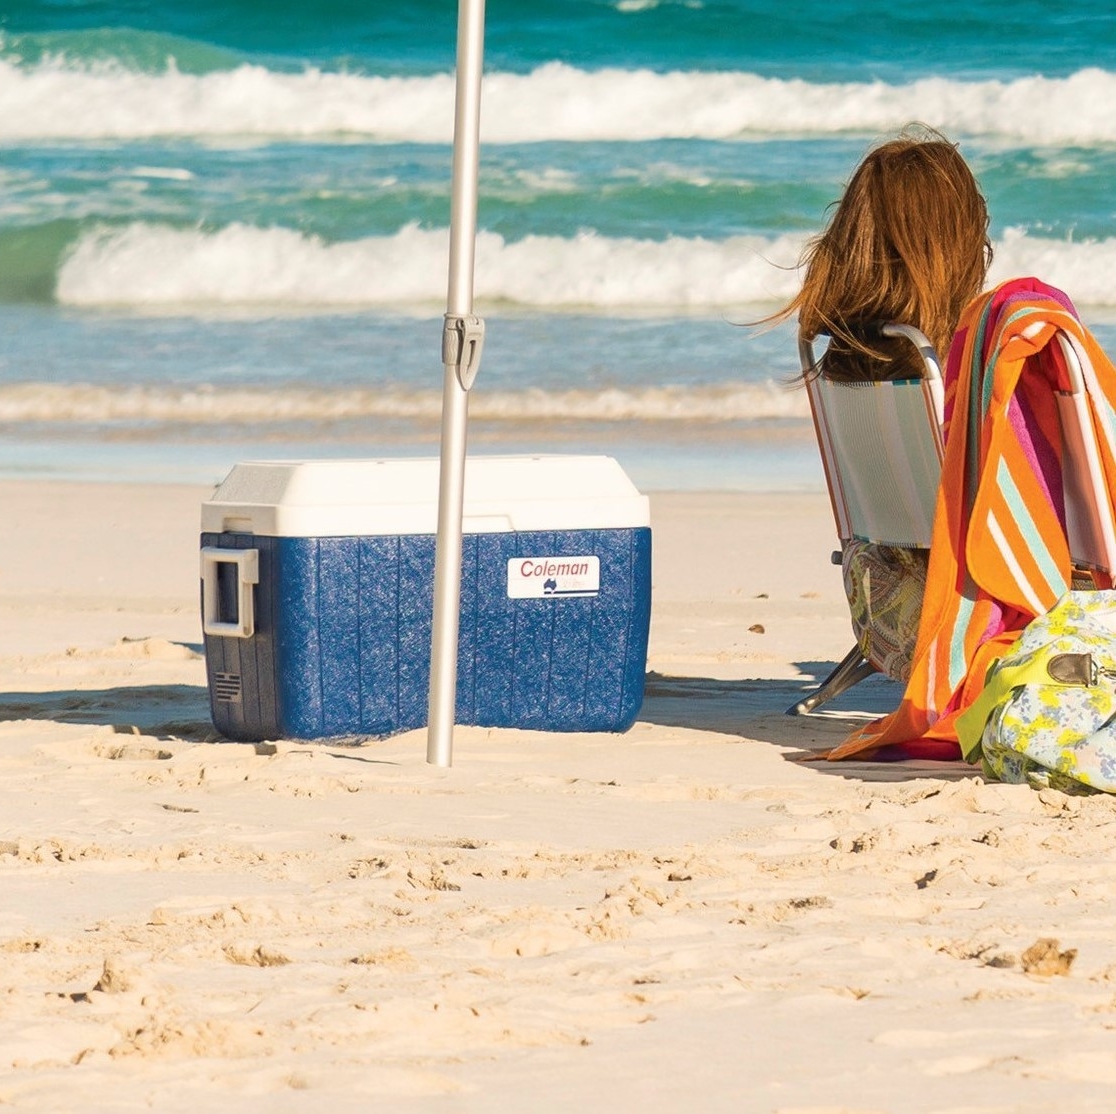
(461, 343)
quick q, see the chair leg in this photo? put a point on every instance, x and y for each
(851, 671)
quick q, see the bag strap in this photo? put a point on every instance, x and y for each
(1000, 682)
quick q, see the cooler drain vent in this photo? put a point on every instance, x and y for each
(226, 686)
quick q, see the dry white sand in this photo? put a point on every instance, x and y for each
(685, 917)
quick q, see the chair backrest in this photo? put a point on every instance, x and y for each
(1089, 519)
(881, 447)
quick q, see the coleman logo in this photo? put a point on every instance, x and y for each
(539, 577)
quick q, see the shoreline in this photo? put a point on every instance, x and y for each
(782, 457)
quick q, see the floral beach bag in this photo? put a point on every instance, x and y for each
(1047, 715)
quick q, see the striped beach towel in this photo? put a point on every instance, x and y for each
(999, 553)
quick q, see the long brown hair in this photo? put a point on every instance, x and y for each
(907, 242)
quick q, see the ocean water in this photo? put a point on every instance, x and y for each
(224, 225)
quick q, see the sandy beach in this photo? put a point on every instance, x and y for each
(684, 917)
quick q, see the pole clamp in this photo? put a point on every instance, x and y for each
(462, 341)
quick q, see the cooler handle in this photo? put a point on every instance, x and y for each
(247, 563)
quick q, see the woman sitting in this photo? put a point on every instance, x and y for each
(908, 242)
(1000, 550)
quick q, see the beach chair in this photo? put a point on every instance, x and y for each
(881, 448)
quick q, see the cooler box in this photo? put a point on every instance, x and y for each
(317, 596)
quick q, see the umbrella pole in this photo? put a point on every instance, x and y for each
(462, 338)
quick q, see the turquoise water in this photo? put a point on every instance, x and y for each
(223, 226)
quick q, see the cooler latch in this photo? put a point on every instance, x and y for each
(228, 576)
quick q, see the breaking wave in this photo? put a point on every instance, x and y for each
(60, 99)
(160, 268)
(247, 406)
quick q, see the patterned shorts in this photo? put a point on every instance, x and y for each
(885, 585)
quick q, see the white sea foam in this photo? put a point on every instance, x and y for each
(101, 405)
(554, 102)
(168, 173)
(157, 267)
(1085, 270)
(154, 266)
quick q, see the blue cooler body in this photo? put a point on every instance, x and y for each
(317, 596)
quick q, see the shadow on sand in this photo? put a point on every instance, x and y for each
(751, 709)
(162, 711)
(757, 709)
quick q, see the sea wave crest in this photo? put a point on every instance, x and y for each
(154, 266)
(59, 98)
(248, 406)
(163, 269)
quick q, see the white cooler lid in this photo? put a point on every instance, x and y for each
(360, 498)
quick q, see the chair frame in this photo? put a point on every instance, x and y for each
(1090, 520)
(855, 667)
